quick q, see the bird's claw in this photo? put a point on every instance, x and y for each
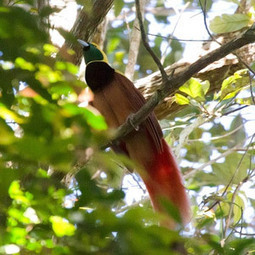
(131, 122)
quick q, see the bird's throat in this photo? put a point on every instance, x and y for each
(98, 75)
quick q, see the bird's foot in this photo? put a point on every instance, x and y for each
(130, 120)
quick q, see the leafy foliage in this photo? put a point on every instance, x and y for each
(45, 137)
(230, 23)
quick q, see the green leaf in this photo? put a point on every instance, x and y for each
(15, 189)
(61, 226)
(194, 88)
(112, 45)
(229, 23)
(206, 3)
(244, 101)
(197, 151)
(23, 64)
(50, 49)
(231, 170)
(238, 208)
(6, 134)
(94, 119)
(237, 137)
(18, 235)
(233, 84)
(8, 115)
(17, 194)
(181, 100)
(170, 209)
(18, 28)
(71, 68)
(241, 246)
(47, 75)
(118, 5)
(205, 86)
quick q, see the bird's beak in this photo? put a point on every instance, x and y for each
(84, 44)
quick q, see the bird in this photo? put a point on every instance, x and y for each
(116, 98)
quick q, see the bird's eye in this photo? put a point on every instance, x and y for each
(86, 47)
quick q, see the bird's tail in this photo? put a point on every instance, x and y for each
(164, 181)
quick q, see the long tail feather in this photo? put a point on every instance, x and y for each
(165, 181)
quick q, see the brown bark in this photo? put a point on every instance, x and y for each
(85, 26)
(134, 44)
(173, 82)
(215, 73)
(88, 24)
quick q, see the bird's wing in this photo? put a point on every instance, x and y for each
(136, 101)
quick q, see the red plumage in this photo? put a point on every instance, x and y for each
(116, 100)
(165, 181)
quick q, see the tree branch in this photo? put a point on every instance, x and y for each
(134, 43)
(174, 82)
(215, 73)
(87, 22)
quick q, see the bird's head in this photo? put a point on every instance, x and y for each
(92, 52)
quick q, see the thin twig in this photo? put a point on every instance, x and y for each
(244, 234)
(233, 176)
(252, 96)
(172, 34)
(218, 137)
(209, 163)
(214, 39)
(232, 204)
(203, 8)
(200, 120)
(137, 182)
(246, 65)
(133, 205)
(240, 219)
(235, 110)
(223, 155)
(146, 44)
(180, 39)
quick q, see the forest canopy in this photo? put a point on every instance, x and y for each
(62, 189)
